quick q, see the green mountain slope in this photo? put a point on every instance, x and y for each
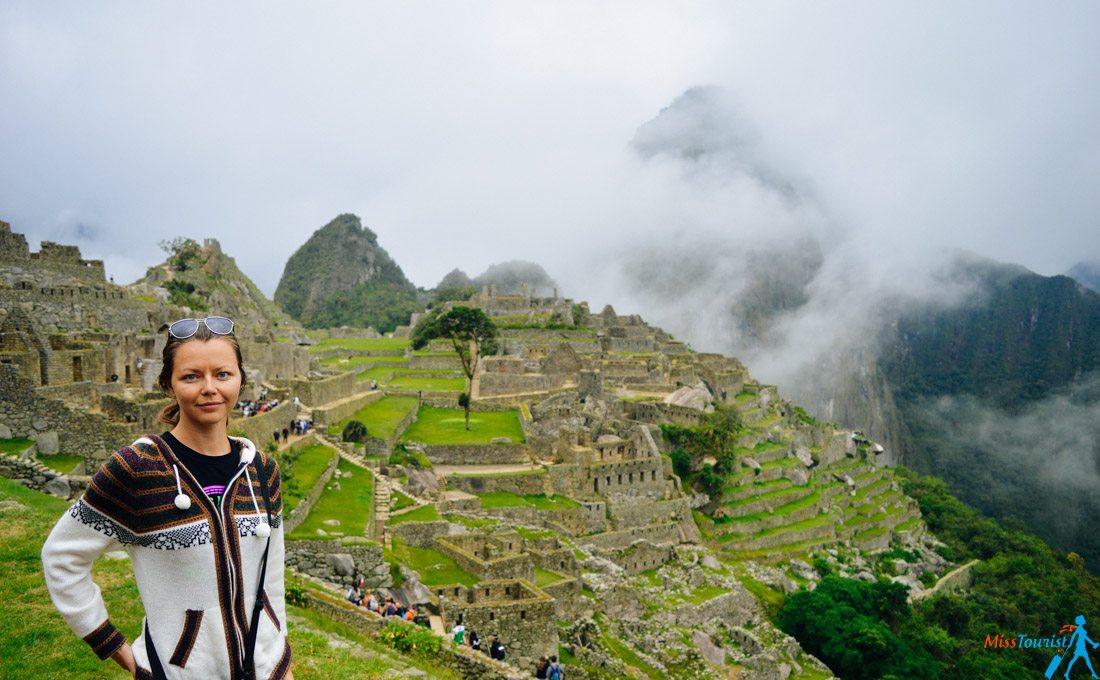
(341, 276)
(205, 279)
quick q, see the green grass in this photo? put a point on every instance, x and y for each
(447, 426)
(379, 374)
(506, 499)
(705, 594)
(435, 568)
(383, 416)
(35, 642)
(362, 656)
(545, 577)
(60, 462)
(516, 473)
(358, 361)
(399, 500)
(781, 511)
(425, 513)
(351, 504)
(17, 445)
(361, 344)
(301, 467)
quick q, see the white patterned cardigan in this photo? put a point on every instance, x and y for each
(197, 570)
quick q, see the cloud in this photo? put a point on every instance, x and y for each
(496, 131)
(1041, 464)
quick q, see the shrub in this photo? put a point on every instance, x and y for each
(354, 431)
(405, 637)
(296, 596)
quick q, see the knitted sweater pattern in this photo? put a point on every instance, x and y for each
(197, 569)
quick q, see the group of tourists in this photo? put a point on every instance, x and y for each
(549, 668)
(249, 408)
(461, 637)
(388, 608)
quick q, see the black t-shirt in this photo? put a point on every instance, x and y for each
(212, 472)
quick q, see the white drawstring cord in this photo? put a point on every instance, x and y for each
(263, 530)
(183, 501)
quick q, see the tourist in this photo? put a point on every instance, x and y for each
(496, 649)
(475, 641)
(297, 404)
(458, 633)
(161, 498)
(410, 615)
(540, 667)
(371, 602)
(391, 608)
(355, 593)
(555, 671)
(286, 434)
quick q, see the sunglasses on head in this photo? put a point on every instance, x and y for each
(185, 328)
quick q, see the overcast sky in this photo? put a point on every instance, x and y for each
(471, 133)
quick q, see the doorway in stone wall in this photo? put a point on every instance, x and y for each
(78, 370)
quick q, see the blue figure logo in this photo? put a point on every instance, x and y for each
(1077, 641)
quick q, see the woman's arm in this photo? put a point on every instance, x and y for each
(67, 557)
(125, 657)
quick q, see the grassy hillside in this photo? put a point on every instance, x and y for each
(35, 642)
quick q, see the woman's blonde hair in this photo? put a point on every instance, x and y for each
(170, 414)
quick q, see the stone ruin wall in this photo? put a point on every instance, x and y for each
(275, 361)
(339, 560)
(637, 478)
(420, 534)
(35, 475)
(260, 428)
(319, 392)
(523, 485)
(631, 514)
(520, 614)
(88, 435)
(641, 556)
(477, 454)
(329, 415)
(465, 550)
(654, 533)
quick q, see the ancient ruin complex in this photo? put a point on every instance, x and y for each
(573, 532)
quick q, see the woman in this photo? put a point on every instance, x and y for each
(200, 514)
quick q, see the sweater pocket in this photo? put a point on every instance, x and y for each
(271, 611)
(191, 622)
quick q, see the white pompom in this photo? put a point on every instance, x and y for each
(183, 501)
(263, 531)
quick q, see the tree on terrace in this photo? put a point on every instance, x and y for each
(471, 332)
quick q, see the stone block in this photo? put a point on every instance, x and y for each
(342, 564)
(59, 486)
(5, 432)
(712, 653)
(47, 442)
(40, 424)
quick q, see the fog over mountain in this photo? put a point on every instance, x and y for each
(751, 261)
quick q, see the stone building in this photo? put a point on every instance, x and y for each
(521, 614)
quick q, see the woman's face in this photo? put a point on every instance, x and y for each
(205, 381)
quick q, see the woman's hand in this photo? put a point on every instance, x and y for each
(125, 657)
